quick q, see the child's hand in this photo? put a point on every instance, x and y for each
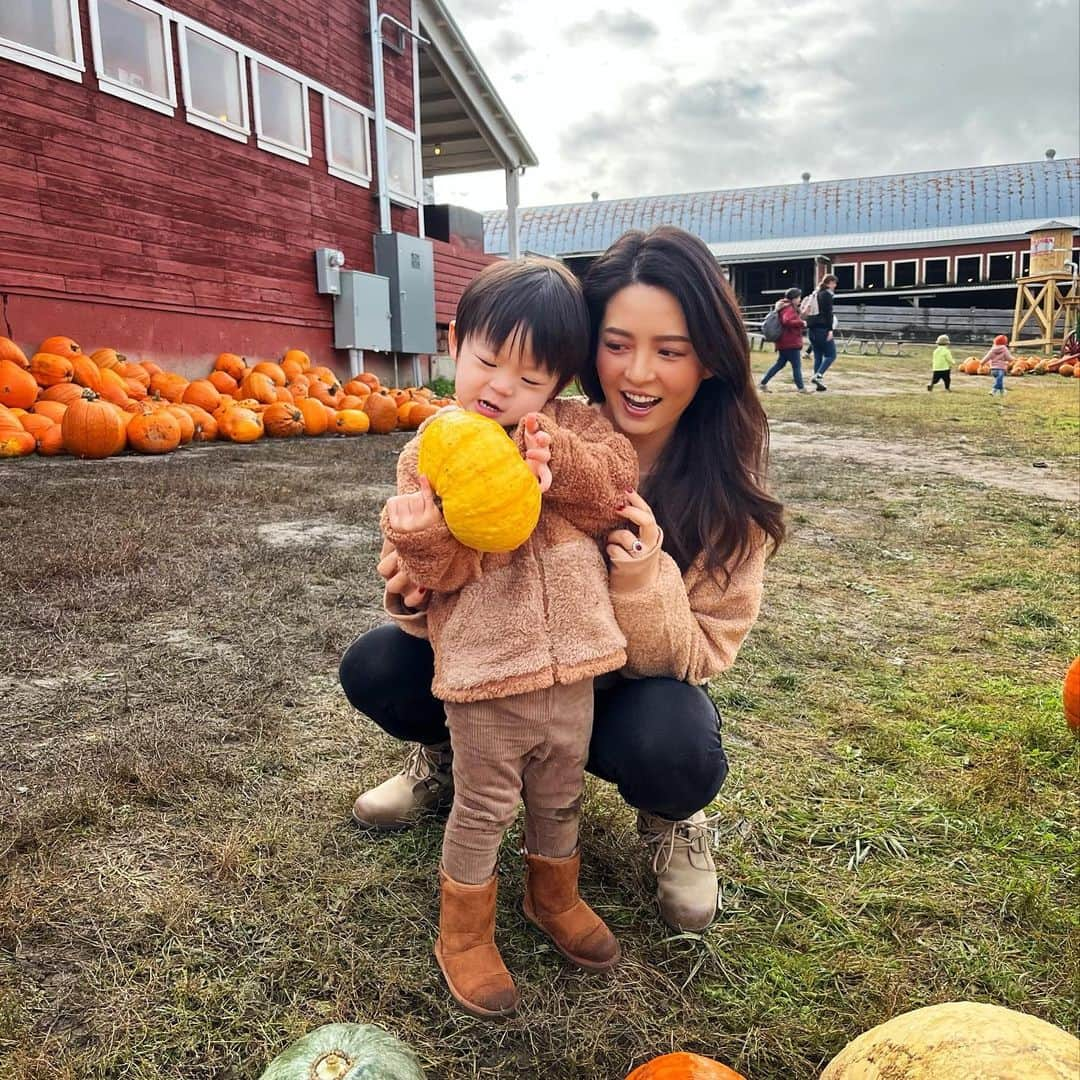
(538, 451)
(414, 512)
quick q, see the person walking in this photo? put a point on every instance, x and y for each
(941, 364)
(999, 359)
(819, 328)
(789, 344)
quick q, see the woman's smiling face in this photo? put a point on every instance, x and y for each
(647, 365)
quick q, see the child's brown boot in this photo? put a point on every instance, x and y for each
(466, 949)
(552, 903)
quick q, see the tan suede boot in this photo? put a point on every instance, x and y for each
(424, 783)
(552, 903)
(687, 888)
(466, 949)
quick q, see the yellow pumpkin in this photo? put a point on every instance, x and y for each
(958, 1041)
(490, 498)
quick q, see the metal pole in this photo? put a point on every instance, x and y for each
(512, 198)
(380, 117)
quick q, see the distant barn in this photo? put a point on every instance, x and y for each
(953, 237)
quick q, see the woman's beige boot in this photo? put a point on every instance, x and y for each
(687, 888)
(466, 949)
(425, 783)
(552, 903)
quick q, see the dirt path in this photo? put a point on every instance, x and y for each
(790, 437)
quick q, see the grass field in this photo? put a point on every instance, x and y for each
(181, 894)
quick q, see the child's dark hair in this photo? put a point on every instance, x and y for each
(533, 302)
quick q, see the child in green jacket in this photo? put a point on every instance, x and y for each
(942, 364)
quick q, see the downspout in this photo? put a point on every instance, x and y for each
(512, 200)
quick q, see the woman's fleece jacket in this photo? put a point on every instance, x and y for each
(683, 626)
(509, 623)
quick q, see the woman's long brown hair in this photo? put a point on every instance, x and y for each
(707, 488)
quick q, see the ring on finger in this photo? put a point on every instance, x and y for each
(637, 547)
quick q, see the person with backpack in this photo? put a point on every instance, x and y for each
(817, 309)
(784, 326)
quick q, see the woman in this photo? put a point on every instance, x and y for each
(672, 373)
(789, 344)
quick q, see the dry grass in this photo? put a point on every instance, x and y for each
(181, 893)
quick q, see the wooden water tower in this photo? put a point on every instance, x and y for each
(1050, 291)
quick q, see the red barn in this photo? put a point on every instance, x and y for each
(171, 169)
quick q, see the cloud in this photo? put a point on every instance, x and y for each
(510, 45)
(486, 9)
(629, 28)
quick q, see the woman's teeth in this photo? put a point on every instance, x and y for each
(640, 402)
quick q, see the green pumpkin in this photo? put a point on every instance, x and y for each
(345, 1052)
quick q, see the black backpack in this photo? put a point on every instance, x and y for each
(771, 326)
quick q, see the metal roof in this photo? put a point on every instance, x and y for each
(464, 125)
(945, 206)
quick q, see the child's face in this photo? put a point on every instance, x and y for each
(502, 384)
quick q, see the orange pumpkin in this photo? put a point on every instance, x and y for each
(371, 380)
(314, 413)
(153, 433)
(1065, 369)
(9, 420)
(52, 410)
(128, 370)
(381, 409)
(283, 421)
(241, 425)
(419, 411)
(259, 386)
(351, 401)
(204, 393)
(10, 351)
(298, 357)
(65, 393)
(60, 346)
(351, 422)
(223, 382)
(184, 419)
(113, 388)
(268, 367)
(18, 388)
(16, 443)
(35, 423)
(50, 442)
(1070, 695)
(357, 388)
(169, 385)
(231, 364)
(205, 426)
(135, 389)
(683, 1066)
(49, 368)
(92, 427)
(86, 372)
(107, 358)
(298, 389)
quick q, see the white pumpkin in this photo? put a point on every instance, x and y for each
(345, 1052)
(961, 1040)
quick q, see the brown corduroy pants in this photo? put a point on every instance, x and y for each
(530, 746)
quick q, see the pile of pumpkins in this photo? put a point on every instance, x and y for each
(1027, 365)
(62, 400)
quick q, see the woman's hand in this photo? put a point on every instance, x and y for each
(414, 512)
(634, 552)
(537, 451)
(398, 583)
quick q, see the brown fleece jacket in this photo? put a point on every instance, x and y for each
(513, 622)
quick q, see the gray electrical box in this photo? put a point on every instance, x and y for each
(328, 264)
(409, 263)
(362, 312)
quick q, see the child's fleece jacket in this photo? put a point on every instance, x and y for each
(999, 357)
(509, 623)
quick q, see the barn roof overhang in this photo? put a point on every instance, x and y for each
(464, 125)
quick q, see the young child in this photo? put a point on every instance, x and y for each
(1000, 358)
(942, 364)
(518, 637)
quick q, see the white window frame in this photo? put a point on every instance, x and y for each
(956, 268)
(268, 142)
(166, 105)
(948, 270)
(338, 171)
(884, 273)
(403, 198)
(196, 116)
(905, 262)
(48, 62)
(1011, 256)
(854, 272)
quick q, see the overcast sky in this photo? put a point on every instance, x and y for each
(663, 96)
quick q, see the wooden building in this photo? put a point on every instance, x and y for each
(169, 169)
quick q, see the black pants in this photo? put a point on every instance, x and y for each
(657, 739)
(941, 376)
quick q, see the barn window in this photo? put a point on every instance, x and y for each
(401, 164)
(215, 88)
(281, 112)
(1001, 267)
(904, 273)
(43, 34)
(968, 269)
(348, 143)
(845, 277)
(133, 52)
(1025, 263)
(936, 271)
(873, 275)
